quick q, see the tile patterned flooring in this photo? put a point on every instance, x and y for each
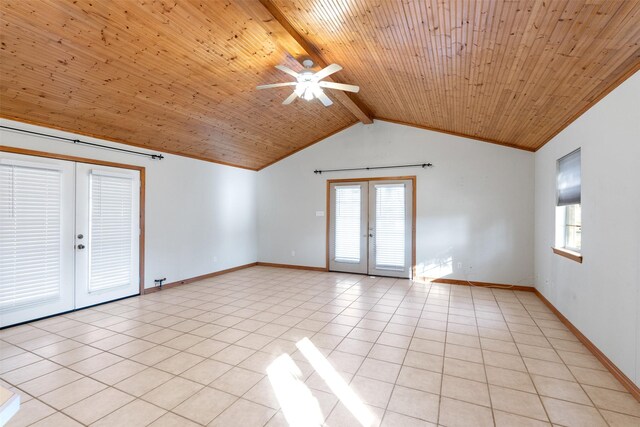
(230, 351)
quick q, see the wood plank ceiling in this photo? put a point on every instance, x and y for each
(180, 76)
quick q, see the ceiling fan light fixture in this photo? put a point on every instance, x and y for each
(308, 93)
(309, 84)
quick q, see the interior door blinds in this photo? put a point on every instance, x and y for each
(390, 226)
(348, 220)
(30, 235)
(110, 231)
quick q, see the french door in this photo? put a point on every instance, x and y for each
(370, 227)
(69, 236)
(36, 237)
(107, 233)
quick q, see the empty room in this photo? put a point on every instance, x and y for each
(312, 213)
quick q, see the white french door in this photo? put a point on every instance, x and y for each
(348, 225)
(69, 236)
(36, 237)
(107, 233)
(370, 227)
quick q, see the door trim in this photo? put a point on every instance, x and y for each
(140, 169)
(381, 178)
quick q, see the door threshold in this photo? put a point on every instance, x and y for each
(66, 312)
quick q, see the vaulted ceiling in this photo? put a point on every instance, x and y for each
(180, 76)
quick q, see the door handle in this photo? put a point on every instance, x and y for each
(81, 246)
(370, 235)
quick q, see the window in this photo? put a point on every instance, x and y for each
(568, 203)
(573, 227)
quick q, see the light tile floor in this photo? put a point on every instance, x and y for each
(231, 351)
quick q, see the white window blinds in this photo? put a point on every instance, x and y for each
(390, 226)
(569, 179)
(30, 235)
(348, 220)
(111, 233)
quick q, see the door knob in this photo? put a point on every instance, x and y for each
(80, 246)
(370, 235)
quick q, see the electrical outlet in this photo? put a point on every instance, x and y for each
(293, 253)
(459, 266)
(215, 258)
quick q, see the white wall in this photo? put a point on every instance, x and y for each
(475, 206)
(601, 296)
(195, 210)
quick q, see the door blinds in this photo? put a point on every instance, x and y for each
(30, 234)
(110, 218)
(347, 226)
(390, 226)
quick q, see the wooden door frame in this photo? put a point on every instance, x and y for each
(140, 169)
(412, 178)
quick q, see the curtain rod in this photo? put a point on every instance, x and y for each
(91, 144)
(421, 165)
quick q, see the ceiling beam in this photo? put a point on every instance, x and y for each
(349, 100)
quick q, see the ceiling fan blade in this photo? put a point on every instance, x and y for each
(290, 99)
(327, 71)
(276, 85)
(322, 97)
(287, 70)
(340, 86)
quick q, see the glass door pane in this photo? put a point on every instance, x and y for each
(390, 226)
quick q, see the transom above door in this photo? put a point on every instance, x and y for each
(371, 226)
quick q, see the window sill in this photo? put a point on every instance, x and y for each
(574, 256)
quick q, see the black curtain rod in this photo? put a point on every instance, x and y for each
(421, 165)
(91, 144)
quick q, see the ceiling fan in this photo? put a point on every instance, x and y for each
(308, 84)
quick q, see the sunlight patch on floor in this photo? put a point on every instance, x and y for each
(298, 405)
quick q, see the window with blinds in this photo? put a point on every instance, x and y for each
(347, 223)
(111, 233)
(30, 235)
(569, 197)
(390, 226)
